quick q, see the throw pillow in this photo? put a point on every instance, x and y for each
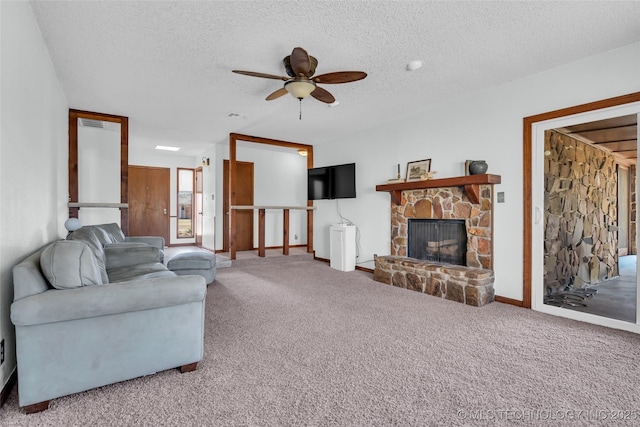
(70, 264)
(87, 235)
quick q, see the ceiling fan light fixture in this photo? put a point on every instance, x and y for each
(300, 88)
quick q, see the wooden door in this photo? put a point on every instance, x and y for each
(149, 196)
(199, 207)
(244, 196)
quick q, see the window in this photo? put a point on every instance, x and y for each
(185, 203)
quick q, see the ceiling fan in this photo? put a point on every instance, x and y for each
(300, 67)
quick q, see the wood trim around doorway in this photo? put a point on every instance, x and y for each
(233, 138)
(528, 122)
(74, 115)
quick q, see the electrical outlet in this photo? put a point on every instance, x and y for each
(500, 196)
(2, 351)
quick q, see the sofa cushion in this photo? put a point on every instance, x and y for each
(139, 271)
(113, 231)
(87, 235)
(70, 264)
(101, 235)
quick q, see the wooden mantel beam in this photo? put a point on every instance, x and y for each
(471, 184)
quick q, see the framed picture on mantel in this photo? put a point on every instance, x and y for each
(418, 170)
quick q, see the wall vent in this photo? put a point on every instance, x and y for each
(90, 123)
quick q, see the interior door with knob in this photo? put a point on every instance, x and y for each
(149, 199)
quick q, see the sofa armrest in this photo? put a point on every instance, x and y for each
(155, 241)
(127, 254)
(57, 305)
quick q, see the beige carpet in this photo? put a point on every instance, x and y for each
(290, 341)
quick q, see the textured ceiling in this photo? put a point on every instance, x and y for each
(167, 65)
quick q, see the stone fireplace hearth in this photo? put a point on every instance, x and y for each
(464, 199)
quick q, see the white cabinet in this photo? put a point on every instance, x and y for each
(343, 247)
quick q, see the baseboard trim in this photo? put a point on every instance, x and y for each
(368, 270)
(509, 301)
(4, 394)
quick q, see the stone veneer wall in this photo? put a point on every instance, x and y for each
(471, 286)
(580, 209)
(447, 203)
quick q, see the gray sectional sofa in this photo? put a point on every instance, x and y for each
(89, 314)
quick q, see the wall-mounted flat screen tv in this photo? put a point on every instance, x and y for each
(332, 182)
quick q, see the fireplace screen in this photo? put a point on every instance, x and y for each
(442, 240)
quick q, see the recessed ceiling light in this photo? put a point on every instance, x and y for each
(414, 65)
(167, 148)
(334, 104)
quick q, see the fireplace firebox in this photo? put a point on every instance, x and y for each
(440, 240)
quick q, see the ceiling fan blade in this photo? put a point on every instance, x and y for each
(323, 96)
(263, 75)
(300, 62)
(340, 77)
(277, 94)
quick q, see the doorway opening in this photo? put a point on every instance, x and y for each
(534, 203)
(230, 232)
(186, 199)
(104, 200)
(586, 217)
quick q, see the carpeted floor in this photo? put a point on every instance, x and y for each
(290, 341)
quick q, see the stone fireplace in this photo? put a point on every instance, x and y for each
(463, 268)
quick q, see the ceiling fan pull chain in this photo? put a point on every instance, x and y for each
(300, 99)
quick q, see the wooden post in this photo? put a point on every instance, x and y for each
(261, 243)
(285, 231)
(310, 212)
(232, 196)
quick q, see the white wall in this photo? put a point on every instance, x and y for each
(280, 179)
(172, 161)
(209, 199)
(485, 125)
(33, 154)
(99, 172)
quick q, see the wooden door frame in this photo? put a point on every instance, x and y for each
(199, 223)
(193, 203)
(233, 138)
(528, 123)
(225, 236)
(74, 115)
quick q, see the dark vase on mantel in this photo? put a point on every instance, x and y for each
(478, 167)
